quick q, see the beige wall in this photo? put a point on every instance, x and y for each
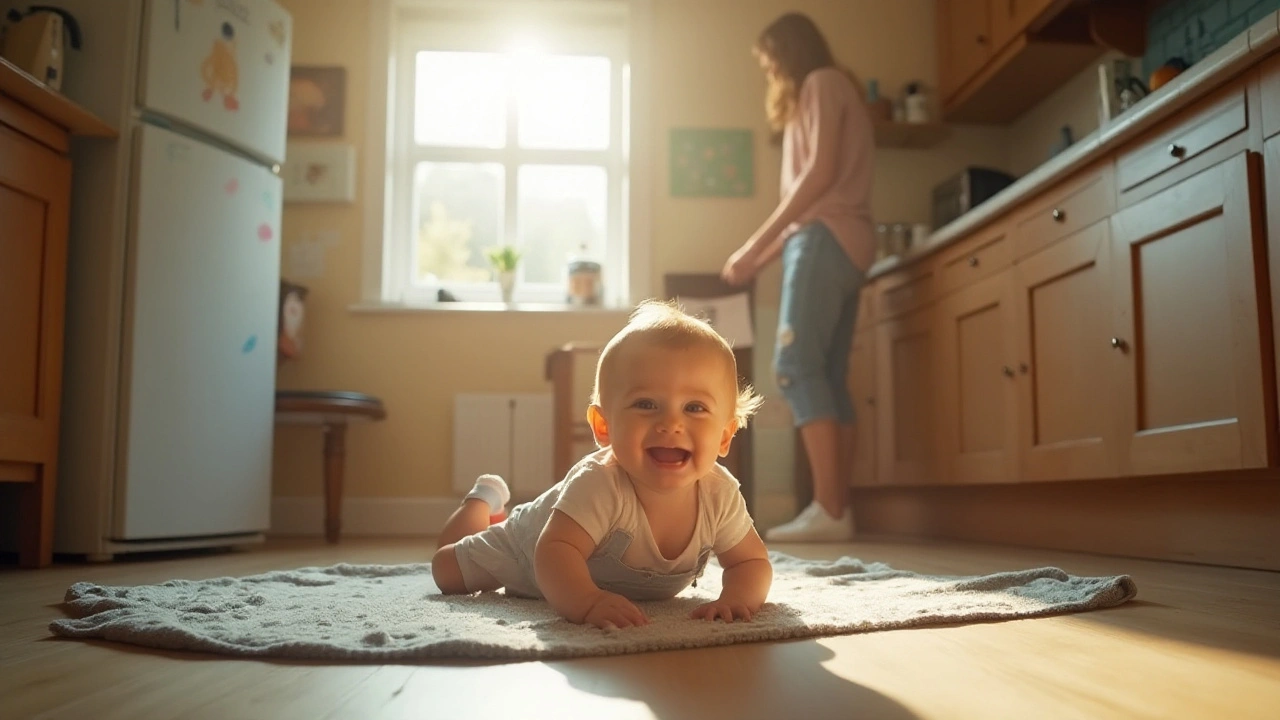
(704, 75)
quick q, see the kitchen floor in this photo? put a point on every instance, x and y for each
(1198, 642)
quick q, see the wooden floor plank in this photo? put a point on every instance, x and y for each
(1199, 642)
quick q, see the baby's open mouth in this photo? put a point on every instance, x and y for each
(669, 456)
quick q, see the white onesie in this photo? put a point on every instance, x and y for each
(599, 496)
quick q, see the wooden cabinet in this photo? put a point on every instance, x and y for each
(964, 41)
(1271, 159)
(1009, 18)
(976, 381)
(1187, 319)
(1270, 100)
(906, 440)
(35, 194)
(1068, 371)
(862, 390)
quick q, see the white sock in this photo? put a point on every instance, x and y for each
(493, 490)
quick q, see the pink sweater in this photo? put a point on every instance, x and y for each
(828, 154)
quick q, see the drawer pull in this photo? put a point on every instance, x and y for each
(1119, 344)
(1025, 368)
(973, 261)
(1059, 215)
(1176, 150)
(1008, 371)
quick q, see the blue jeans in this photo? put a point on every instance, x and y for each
(820, 288)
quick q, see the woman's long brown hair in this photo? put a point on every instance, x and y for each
(798, 48)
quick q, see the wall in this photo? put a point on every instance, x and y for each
(1191, 29)
(704, 75)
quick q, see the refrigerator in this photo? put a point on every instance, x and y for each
(173, 275)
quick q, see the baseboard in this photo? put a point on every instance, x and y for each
(362, 517)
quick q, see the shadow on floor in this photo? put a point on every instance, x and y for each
(762, 679)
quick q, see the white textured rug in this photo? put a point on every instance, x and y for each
(381, 613)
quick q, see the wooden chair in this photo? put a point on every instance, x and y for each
(329, 409)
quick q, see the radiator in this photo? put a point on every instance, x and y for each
(507, 435)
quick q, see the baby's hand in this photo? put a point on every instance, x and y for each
(724, 609)
(611, 610)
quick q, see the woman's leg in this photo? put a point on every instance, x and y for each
(819, 296)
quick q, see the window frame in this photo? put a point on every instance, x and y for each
(409, 36)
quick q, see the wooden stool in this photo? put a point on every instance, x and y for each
(332, 410)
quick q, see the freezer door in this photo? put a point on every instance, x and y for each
(222, 67)
(199, 374)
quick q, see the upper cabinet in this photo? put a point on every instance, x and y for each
(999, 58)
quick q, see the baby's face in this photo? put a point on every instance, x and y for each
(670, 414)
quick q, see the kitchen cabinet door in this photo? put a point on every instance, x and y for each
(1009, 18)
(1068, 372)
(1195, 391)
(906, 437)
(862, 390)
(977, 382)
(964, 42)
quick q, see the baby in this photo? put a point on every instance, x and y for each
(638, 518)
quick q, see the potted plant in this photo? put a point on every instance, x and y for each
(504, 260)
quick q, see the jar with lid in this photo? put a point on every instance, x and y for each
(584, 285)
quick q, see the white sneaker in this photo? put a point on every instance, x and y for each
(813, 524)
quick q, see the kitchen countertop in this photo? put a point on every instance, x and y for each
(1241, 52)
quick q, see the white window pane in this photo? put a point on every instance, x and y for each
(563, 102)
(457, 213)
(461, 99)
(561, 210)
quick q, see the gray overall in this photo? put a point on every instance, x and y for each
(611, 574)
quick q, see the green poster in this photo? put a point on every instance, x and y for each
(707, 162)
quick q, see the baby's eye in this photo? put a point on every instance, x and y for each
(695, 407)
(644, 404)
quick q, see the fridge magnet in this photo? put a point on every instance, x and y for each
(711, 162)
(317, 97)
(232, 186)
(249, 344)
(319, 172)
(220, 72)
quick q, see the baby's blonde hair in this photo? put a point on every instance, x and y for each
(666, 324)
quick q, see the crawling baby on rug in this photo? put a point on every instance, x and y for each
(638, 518)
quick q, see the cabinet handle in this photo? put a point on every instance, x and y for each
(1025, 368)
(871, 401)
(1176, 150)
(1058, 214)
(982, 39)
(973, 261)
(1119, 344)
(1008, 371)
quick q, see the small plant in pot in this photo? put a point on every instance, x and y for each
(504, 260)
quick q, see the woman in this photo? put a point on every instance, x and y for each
(822, 230)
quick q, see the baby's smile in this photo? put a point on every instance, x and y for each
(669, 457)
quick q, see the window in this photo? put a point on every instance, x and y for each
(506, 132)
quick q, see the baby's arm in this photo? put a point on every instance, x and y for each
(560, 567)
(748, 574)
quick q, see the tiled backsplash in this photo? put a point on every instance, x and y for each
(1191, 29)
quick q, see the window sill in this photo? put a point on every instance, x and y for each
(485, 307)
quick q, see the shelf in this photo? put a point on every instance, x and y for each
(53, 105)
(910, 135)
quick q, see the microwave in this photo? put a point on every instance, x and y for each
(965, 191)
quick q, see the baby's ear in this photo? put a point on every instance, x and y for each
(727, 438)
(599, 426)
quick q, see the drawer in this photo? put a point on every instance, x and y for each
(975, 258)
(906, 289)
(1271, 96)
(1187, 135)
(1074, 205)
(866, 307)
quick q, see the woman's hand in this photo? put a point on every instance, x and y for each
(727, 610)
(610, 610)
(739, 268)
